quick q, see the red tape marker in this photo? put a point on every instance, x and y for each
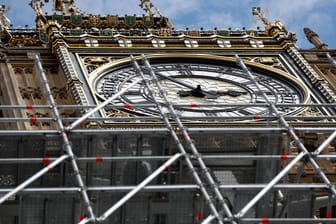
(127, 106)
(46, 161)
(200, 216)
(99, 159)
(284, 157)
(256, 117)
(29, 107)
(264, 221)
(33, 120)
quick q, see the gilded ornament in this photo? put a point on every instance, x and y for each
(270, 28)
(149, 8)
(94, 20)
(148, 21)
(4, 21)
(112, 21)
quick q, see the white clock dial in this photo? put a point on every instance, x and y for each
(207, 84)
(201, 83)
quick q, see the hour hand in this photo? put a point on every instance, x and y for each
(196, 92)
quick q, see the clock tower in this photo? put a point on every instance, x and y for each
(123, 119)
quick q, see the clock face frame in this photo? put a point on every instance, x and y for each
(213, 75)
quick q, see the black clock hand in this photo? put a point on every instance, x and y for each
(232, 93)
(175, 80)
(196, 92)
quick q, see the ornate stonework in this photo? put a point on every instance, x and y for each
(273, 62)
(91, 63)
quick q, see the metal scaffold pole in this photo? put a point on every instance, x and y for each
(66, 141)
(33, 178)
(101, 106)
(136, 189)
(161, 158)
(190, 143)
(331, 59)
(304, 152)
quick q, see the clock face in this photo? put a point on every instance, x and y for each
(187, 84)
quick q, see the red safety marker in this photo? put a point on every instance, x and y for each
(265, 221)
(46, 161)
(293, 136)
(99, 159)
(29, 107)
(81, 218)
(33, 120)
(200, 216)
(127, 106)
(328, 215)
(193, 105)
(284, 157)
(165, 166)
(64, 136)
(256, 117)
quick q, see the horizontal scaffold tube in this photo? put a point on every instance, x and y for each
(100, 159)
(169, 188)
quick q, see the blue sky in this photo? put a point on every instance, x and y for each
(319, 15)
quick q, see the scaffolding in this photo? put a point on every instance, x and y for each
(170, 173)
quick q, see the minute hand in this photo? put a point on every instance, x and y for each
(210, 95)
(176, 81)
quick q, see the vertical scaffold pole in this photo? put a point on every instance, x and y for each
(304, 152)
(190, 143)
(66, 141)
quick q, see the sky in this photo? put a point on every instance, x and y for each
(319, 15)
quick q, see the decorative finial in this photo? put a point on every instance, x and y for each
(65, 6)
(270, 28)
(4, 21)
(315, 39)
(37, 6)
(149, 8)
(256, 11)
